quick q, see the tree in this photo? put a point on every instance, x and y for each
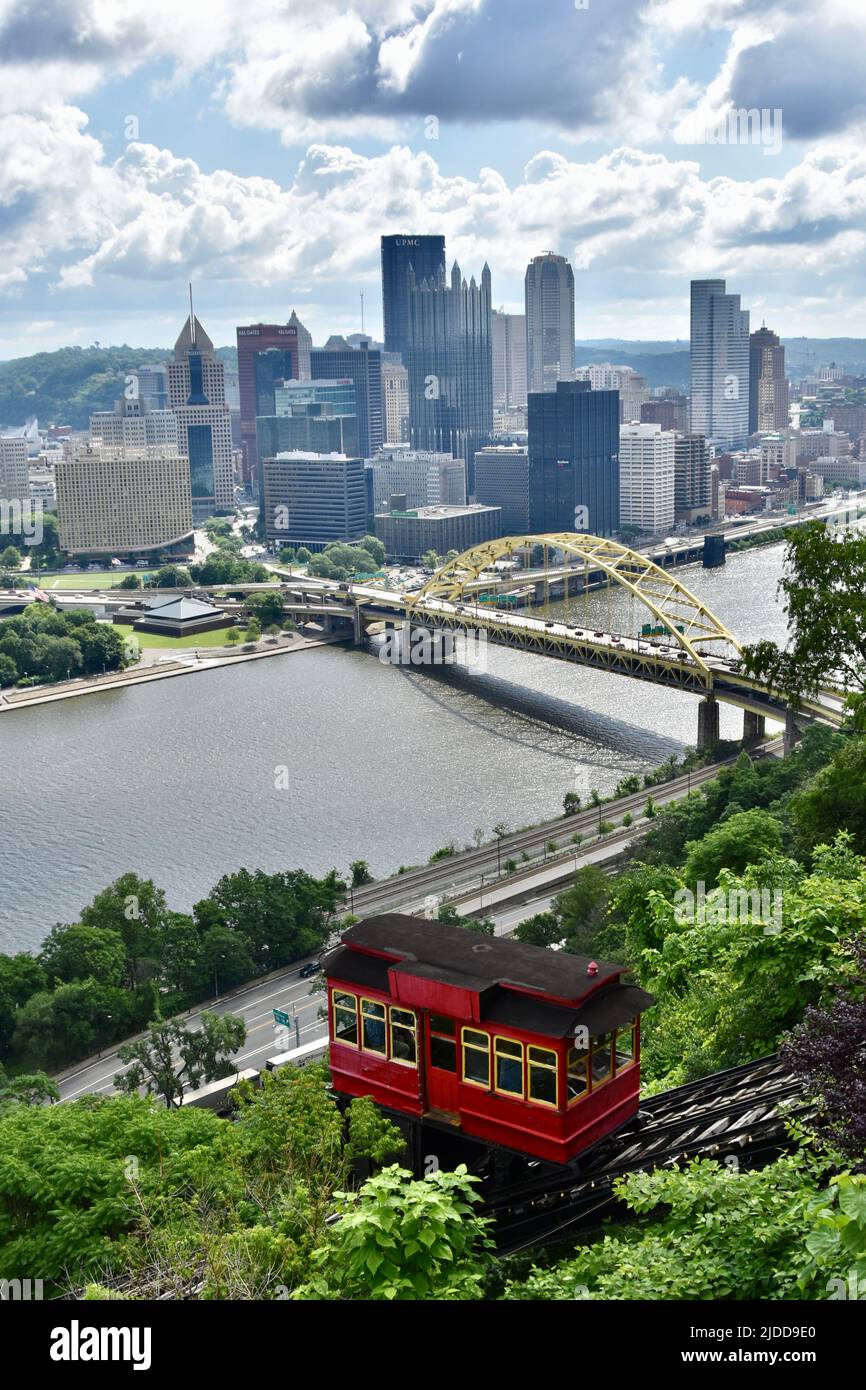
(34, 1088)
(71, 1021)
(835, 799)
(580, 908)
(57, 657)
(254, 630)
(8, 670)
(282, 917)
(20, 977)
(360, 871)
(430, 560)
(828, 1052)
(374, 547)
(10, 559)
(744, 838)
(204, 1056)
(824, 587)
(130, 581)
(234, 636)
(265, 608)
(399, 1239)
(226, 958)
(544, 929)
(136, 910)
(82, 953)
(571, 803)
(304, 556)
(172, 577)
(483, 926)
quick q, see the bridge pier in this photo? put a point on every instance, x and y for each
(754, 727)
(793, 733)
(708, 722)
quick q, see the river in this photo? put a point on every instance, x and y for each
(318, 758)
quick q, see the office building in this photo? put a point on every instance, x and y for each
(825, 443)
(271, 368)
(502, 480)
(693, 478)
(253, 339)
(632, 387)
(312, 499)
(646, 478)
(840, 470)
(395, 392)
(424, 479)
(43, 489)
(660, 412)
(719, 365)
(768, 385)
(335, 396)
(196, 389)
(574, 459)
(408, 535)
(451, 366)
(307, 432)
(305, 345)
(132, 424)
(509, 360)
(121, 501)
(549, 322)
(425, 257)
(14, 475)
(338, 360)
(152, 385)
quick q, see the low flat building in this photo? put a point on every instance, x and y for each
(179, 617)
(840, 469)
(408, 535)
(119, 501)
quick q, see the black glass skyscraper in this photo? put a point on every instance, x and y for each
(451, 367)
(574, 459)
(426, 256)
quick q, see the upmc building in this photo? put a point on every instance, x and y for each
(426, 255)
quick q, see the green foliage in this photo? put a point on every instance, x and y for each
(27, 1089)
(82, 952)
(223, 567)
(66, 387)
(748, 837)
(835, 799)
(544, 929)
(44, 643)
(399, 1239)
(725, 1235)
(484, 926)
(342, 561)
(580, 908)
(837, 1246)
(205, 1053)
(10, 558)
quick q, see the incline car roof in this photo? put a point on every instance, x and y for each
(475, 962)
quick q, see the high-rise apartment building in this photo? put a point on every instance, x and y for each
(117, 501)
(451, 366)
(253, 339)
(693, 494)
(312, 499)
(549, 322)
(424, 479)
(131, 423)
(338, 360)
(395, 391)
(768, 385)
(574, 459)
(646, 478)
(425, 256)
(14, 473)
(502, 480)
(196, 388)
(719, 365)
(509, 360)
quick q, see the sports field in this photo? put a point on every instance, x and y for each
(98, 579)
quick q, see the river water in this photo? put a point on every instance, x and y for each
(316, 759)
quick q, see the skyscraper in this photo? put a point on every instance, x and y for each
(425, 255)
(768, 385)
(693, 483)
(124, 500)
(574, 459)
(363, 365)
(549, 322)
(646, 478)
(451, 366)
(395, 389)
(132, 423)
(509, 360)
(196, 389)
(253, 339)
(719, 365)
(305, 345)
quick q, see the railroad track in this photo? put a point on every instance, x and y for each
(736, 1116)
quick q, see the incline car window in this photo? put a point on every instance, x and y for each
(346, 1018)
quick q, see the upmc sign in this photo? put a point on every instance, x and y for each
(407, 241)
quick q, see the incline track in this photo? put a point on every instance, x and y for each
(737, 1115)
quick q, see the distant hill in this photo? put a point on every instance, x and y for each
(67, 386)
(663, 364)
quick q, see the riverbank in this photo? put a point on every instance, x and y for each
(161, 669)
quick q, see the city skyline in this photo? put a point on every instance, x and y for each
(234, 152)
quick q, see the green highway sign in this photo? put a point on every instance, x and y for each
(280, 1017)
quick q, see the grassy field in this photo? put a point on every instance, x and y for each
(99, 579)
(148, 640)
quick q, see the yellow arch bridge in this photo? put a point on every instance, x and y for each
(697, 652)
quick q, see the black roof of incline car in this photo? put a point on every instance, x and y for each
(480, 964)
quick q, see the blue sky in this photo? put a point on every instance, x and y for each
(261, 150)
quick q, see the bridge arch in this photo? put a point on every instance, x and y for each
(670, 602)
